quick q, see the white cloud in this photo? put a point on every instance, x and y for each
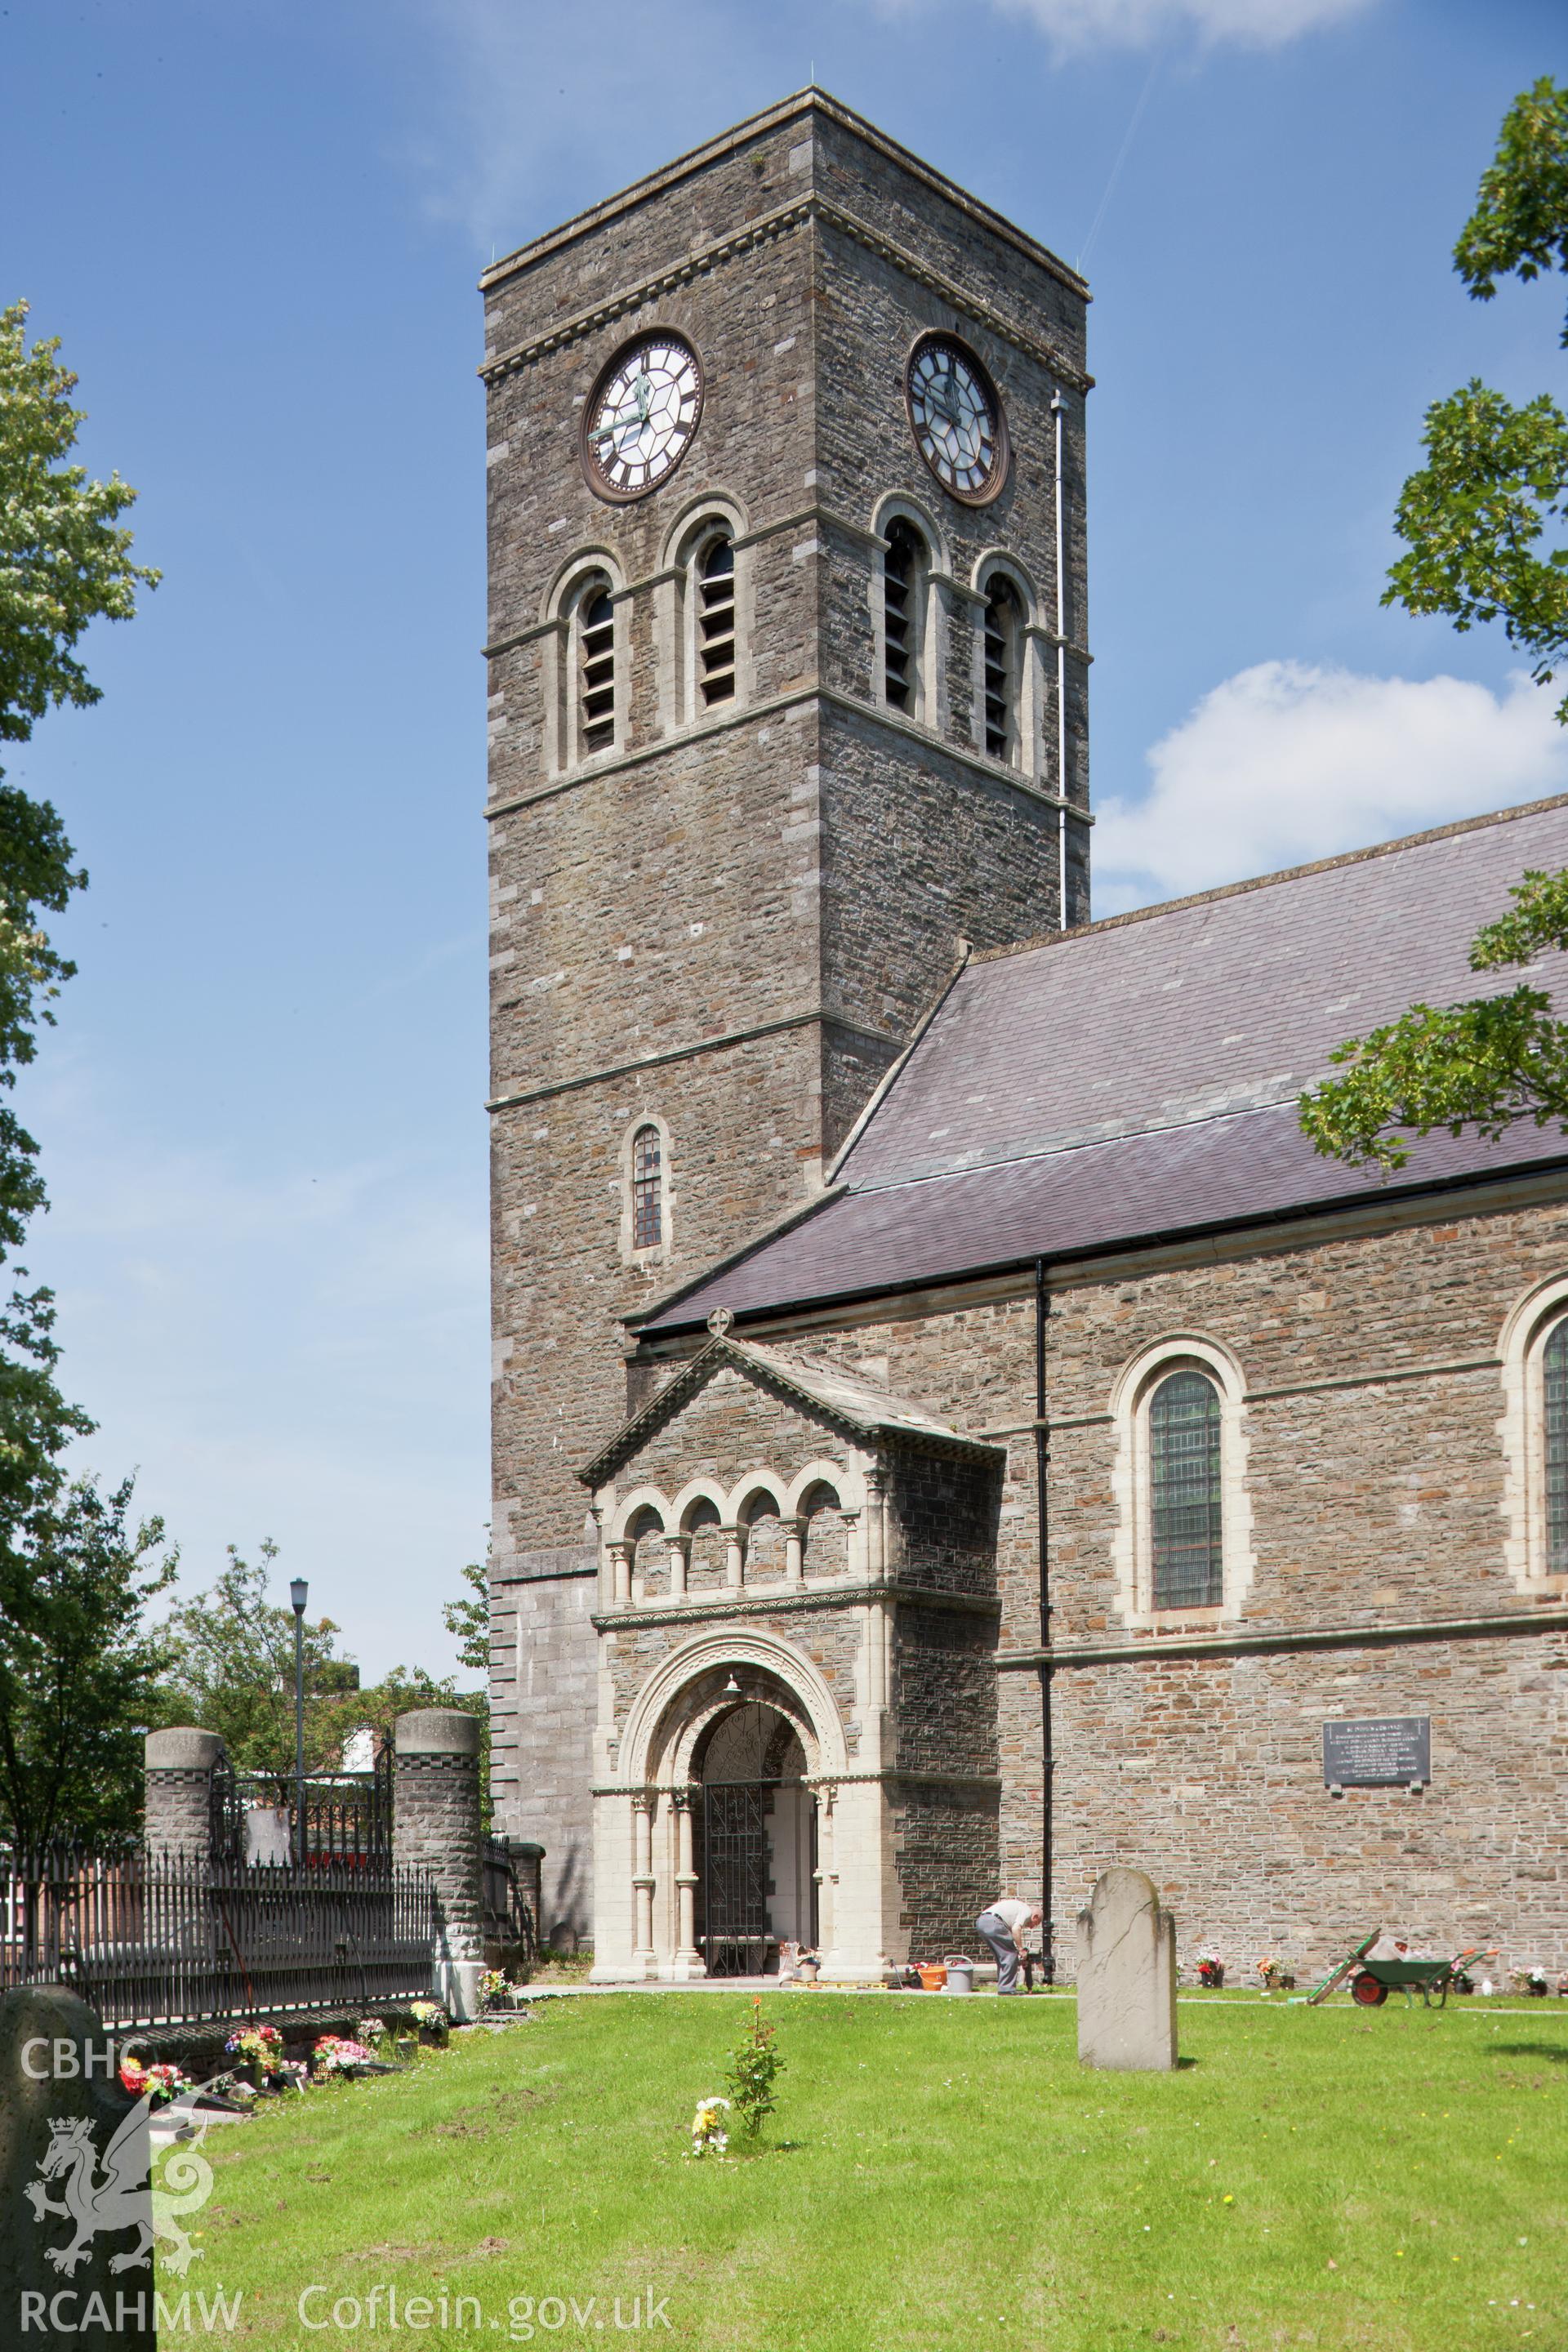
(1285, 762)
(1073, 26)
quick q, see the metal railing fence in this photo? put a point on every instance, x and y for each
(157, 1941)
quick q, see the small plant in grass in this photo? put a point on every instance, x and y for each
(753, 2070)
(708, 2137)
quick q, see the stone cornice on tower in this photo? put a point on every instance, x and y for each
(807, 101)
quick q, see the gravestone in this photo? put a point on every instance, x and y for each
(1126, 1978)
(76, 2253)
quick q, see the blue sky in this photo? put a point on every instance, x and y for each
(257, 224)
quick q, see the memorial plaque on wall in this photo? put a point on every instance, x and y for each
(1383, 1751)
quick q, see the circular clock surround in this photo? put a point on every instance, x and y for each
(641, 415)
(957, 418)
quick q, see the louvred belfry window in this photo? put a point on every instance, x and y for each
(1185, 1492)
(900, 567)
(597, 633)
(1554, 1415)
(648, 1190)
(716, 623)
(1002, 617)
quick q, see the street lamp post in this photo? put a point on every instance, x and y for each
(297, 1594)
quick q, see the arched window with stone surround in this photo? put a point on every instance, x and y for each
(713, 614)
(905, 566)
(647, 1189)
(1186, 1532)
(1554, 1445)
(1003, 649)
(593, 634)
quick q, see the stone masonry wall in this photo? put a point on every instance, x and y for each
(946, 1845)
(767, 910)
(542, 1698)
(1375, 1504)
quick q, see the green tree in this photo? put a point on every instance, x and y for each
(75, 1663)
(74, 1578)
(65, 561)
(1475, 517)
(1481, 1064)
(1475, 520)
(469, 1619)
(229, 1667)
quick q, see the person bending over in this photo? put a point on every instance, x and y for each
(1002, 1928)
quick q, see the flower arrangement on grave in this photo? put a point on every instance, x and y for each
(158, 2085)
(374, 2033)
(498, 1991)
(335, 2054)
(753, 2070)
(1277, 1977)
(292, 2075)
(1528, 1980)
(432, 2020)
(260, 2046)
(708, 2137)
(1211, 1967)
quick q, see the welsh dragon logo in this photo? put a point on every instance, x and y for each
(123, 2195)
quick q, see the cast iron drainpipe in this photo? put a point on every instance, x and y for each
(1047, 1750)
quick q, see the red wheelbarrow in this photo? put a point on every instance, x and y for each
(1373, 1980)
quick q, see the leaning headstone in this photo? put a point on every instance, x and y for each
(1126, 1977)
(75, 2205)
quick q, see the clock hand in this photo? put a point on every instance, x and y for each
(641, 390)
(622, 422)
(940, 400)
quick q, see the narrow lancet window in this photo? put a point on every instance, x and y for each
(597, 647)
(1002, 619)
(901, 618)
(648, 1190)
(1185, 1492)
(716, 623)
(1554, 1405)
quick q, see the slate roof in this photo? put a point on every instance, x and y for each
(855, 1406)
(1137, 1079)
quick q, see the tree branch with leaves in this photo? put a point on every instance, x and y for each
(1476, 521)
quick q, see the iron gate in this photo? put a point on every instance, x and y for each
(735, 1876)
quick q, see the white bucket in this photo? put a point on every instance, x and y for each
(960, 1974)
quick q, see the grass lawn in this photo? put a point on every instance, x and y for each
(941, 2177)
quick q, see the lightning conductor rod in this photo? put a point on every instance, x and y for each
(1059, 411)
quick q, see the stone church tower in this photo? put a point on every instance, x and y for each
(787, 709)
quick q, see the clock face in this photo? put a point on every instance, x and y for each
(957, 419)
(643, 414)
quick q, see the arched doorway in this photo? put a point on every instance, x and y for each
(757, 1853)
